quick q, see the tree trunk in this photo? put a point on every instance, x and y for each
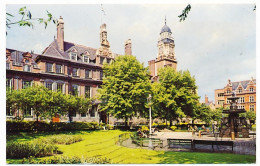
(37, 117)
(70, 117)
(126, 119)
(170, 122)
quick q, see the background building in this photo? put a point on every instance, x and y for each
(245, 90)
(209, 103)
(72, 68)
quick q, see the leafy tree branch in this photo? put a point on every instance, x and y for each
(27, 19)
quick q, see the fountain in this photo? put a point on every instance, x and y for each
(234, 123)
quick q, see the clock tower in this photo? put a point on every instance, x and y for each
(166, 54)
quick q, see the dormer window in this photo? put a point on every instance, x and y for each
(73, 56)
(27, 68)
(86, 58)
(228, 91)
(251, 89)
(240, 90)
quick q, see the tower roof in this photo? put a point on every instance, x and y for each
(165, 28)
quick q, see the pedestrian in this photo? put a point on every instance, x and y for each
(203, 127)
(213, 127)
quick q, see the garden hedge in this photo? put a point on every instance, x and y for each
(18, 126)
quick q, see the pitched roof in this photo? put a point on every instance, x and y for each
(20, 55)
(243, 83)
(81, 49)
(54, 51)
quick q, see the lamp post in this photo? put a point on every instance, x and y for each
(150, 123)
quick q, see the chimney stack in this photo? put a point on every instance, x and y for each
(60, 33)
(206, 99)
(128, 47)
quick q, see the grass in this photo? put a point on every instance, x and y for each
(102, 144)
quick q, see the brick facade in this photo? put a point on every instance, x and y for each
(246, 90)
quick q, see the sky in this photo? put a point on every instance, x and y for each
(215, 43)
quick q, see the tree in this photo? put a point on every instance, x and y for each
(76, 104)
(14, 100)
(251, 115)
(204, 113)
(56, 104)
(217, 115)
(174, 96)
(125, 88)
(38, 98)
(27, 19)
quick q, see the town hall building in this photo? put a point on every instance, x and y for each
(72, 68)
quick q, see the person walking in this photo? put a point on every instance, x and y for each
(213, 127)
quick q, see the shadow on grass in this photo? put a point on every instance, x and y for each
(205, 158)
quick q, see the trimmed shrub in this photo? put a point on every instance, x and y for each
(173, 128)
(145, 129)
(61, 139)
(67, 160)
(18, 126)
(36, 148)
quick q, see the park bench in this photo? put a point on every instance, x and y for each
(212, 143)
(180, 142)
(253, 134)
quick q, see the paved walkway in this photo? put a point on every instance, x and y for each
(241, 145)
(188, 135)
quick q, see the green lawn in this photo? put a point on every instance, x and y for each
(102, 143)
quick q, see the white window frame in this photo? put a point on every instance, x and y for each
(228, 101)
(72, 54)
(10, 82)
(90, 91)
(27, 68)
(78, 90)
(46, 85)
(90, 73)
(77, 72)
(61, 69)
(47, 67)
(251, 99)
(62, 86)
(87, 58)
(240, 90)
(23, 83)
(241, 100)
(252, 107)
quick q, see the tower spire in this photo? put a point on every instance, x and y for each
(165, 20)
(103, 14)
